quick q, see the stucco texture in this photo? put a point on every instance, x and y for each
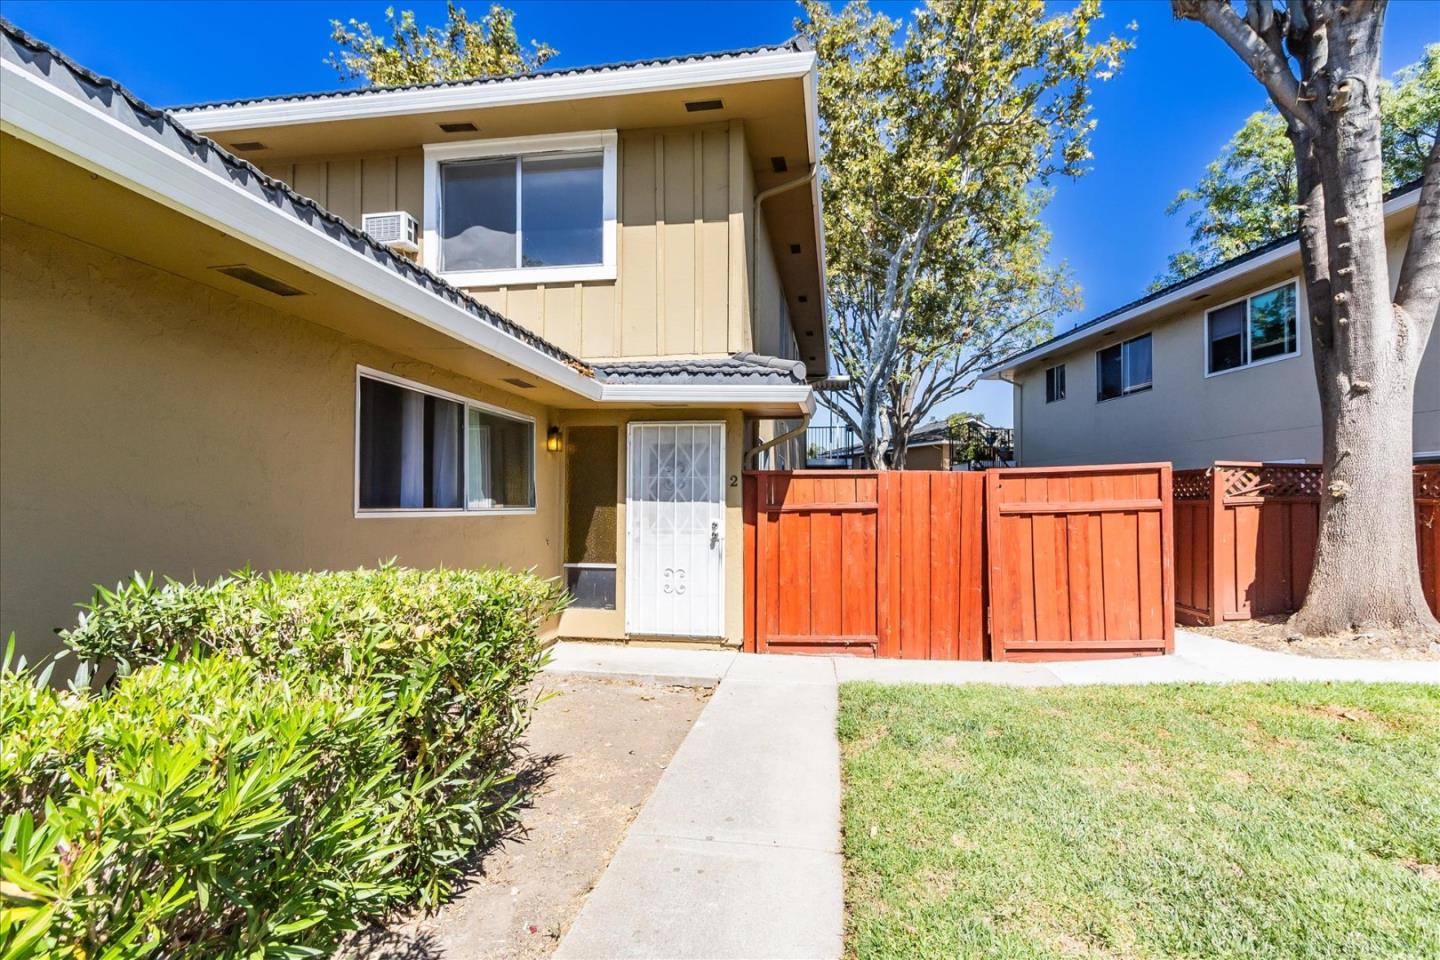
(1268, 411)
(153, 423)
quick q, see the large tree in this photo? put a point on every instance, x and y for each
(460, 50)
(1247, 195)
(1319, 61)
(940, 139)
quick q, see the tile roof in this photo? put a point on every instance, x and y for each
(749, 368)
(794, 45)
(109, 97)
(1165, 291)
(112, 99)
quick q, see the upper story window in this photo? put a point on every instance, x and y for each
(424, 450)
(522, 210)
(1123, 368)
(1252, 330)
(1055, 383)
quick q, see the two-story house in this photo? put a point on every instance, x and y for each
(541, 321)
(1215, 367)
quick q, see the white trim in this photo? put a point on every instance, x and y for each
(591, 566)
(363, 372)
(40, 114)
(1205, 360)
(519, 90)
(1064, 387)
(1180, 294)
(603, 141)
(1124, 391)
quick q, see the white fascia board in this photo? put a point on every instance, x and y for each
(734, 394)
(501, 93)
(1392, 206)
(39, 113)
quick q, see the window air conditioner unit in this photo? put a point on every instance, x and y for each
(396, 229)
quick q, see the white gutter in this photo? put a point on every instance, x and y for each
(39, 113)
(501, 93)
(1392, 206)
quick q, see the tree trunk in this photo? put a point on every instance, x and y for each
(1366, 574)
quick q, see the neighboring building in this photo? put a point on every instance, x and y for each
(611, 291)
(939, 445)
(1216, 367)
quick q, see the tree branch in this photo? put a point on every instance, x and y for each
(1269, 68)
(1417, 295)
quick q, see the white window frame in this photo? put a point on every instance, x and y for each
(1205, 358)
(364, 373)
(604, 141)
(1064, 389)
(1124, 390)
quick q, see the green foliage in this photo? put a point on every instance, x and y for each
(1248, 194)
(939, 140)
(461, 50)
(279, 757)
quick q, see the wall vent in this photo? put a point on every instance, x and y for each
(794, 248)
(778, 164)
(462, 126)
(522, 384)
(699, 106)
(395, 228)
(247, 146)
(255, 278)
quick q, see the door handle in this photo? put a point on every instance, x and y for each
(714, 533)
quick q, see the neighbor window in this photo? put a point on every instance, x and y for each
(1252, 330)
(1123, 368)
(1055, 383)
(538, 208)
(420, 450)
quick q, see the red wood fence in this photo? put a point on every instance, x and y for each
(879, 564)
(894, 564)
(1080, 562)
(1245, 538)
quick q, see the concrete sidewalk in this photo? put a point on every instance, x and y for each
(737, 852)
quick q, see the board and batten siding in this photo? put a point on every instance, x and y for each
(684, 249)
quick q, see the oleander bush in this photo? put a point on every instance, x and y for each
(277, 758)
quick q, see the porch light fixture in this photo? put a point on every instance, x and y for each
(553, 440)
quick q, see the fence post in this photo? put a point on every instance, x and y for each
(1167, 554)
(1222, 544)
(751, 568)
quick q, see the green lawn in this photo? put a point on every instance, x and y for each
(1280, 820)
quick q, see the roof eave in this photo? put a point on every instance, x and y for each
(1182, 291)
(522, 90)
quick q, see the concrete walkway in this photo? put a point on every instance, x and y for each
(737, 852)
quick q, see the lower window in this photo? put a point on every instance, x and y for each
(421, 450)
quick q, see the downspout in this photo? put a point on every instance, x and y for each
(753, 454)
(760, 198)
(1016, 433)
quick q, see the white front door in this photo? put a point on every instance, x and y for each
(675, 518)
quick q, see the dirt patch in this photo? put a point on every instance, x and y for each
(1272, 633)
(596, 749)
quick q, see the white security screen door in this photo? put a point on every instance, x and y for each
(675, 542)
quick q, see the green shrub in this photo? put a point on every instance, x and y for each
(435, 666)
(201, 809)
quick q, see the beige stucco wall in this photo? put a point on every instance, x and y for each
(1265, 412)
(152, 423)
(682, 285)
(149, 422)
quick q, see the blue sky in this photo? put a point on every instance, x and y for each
(1179, 97)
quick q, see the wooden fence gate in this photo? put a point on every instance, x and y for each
(853, 561)
(1060, 563)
